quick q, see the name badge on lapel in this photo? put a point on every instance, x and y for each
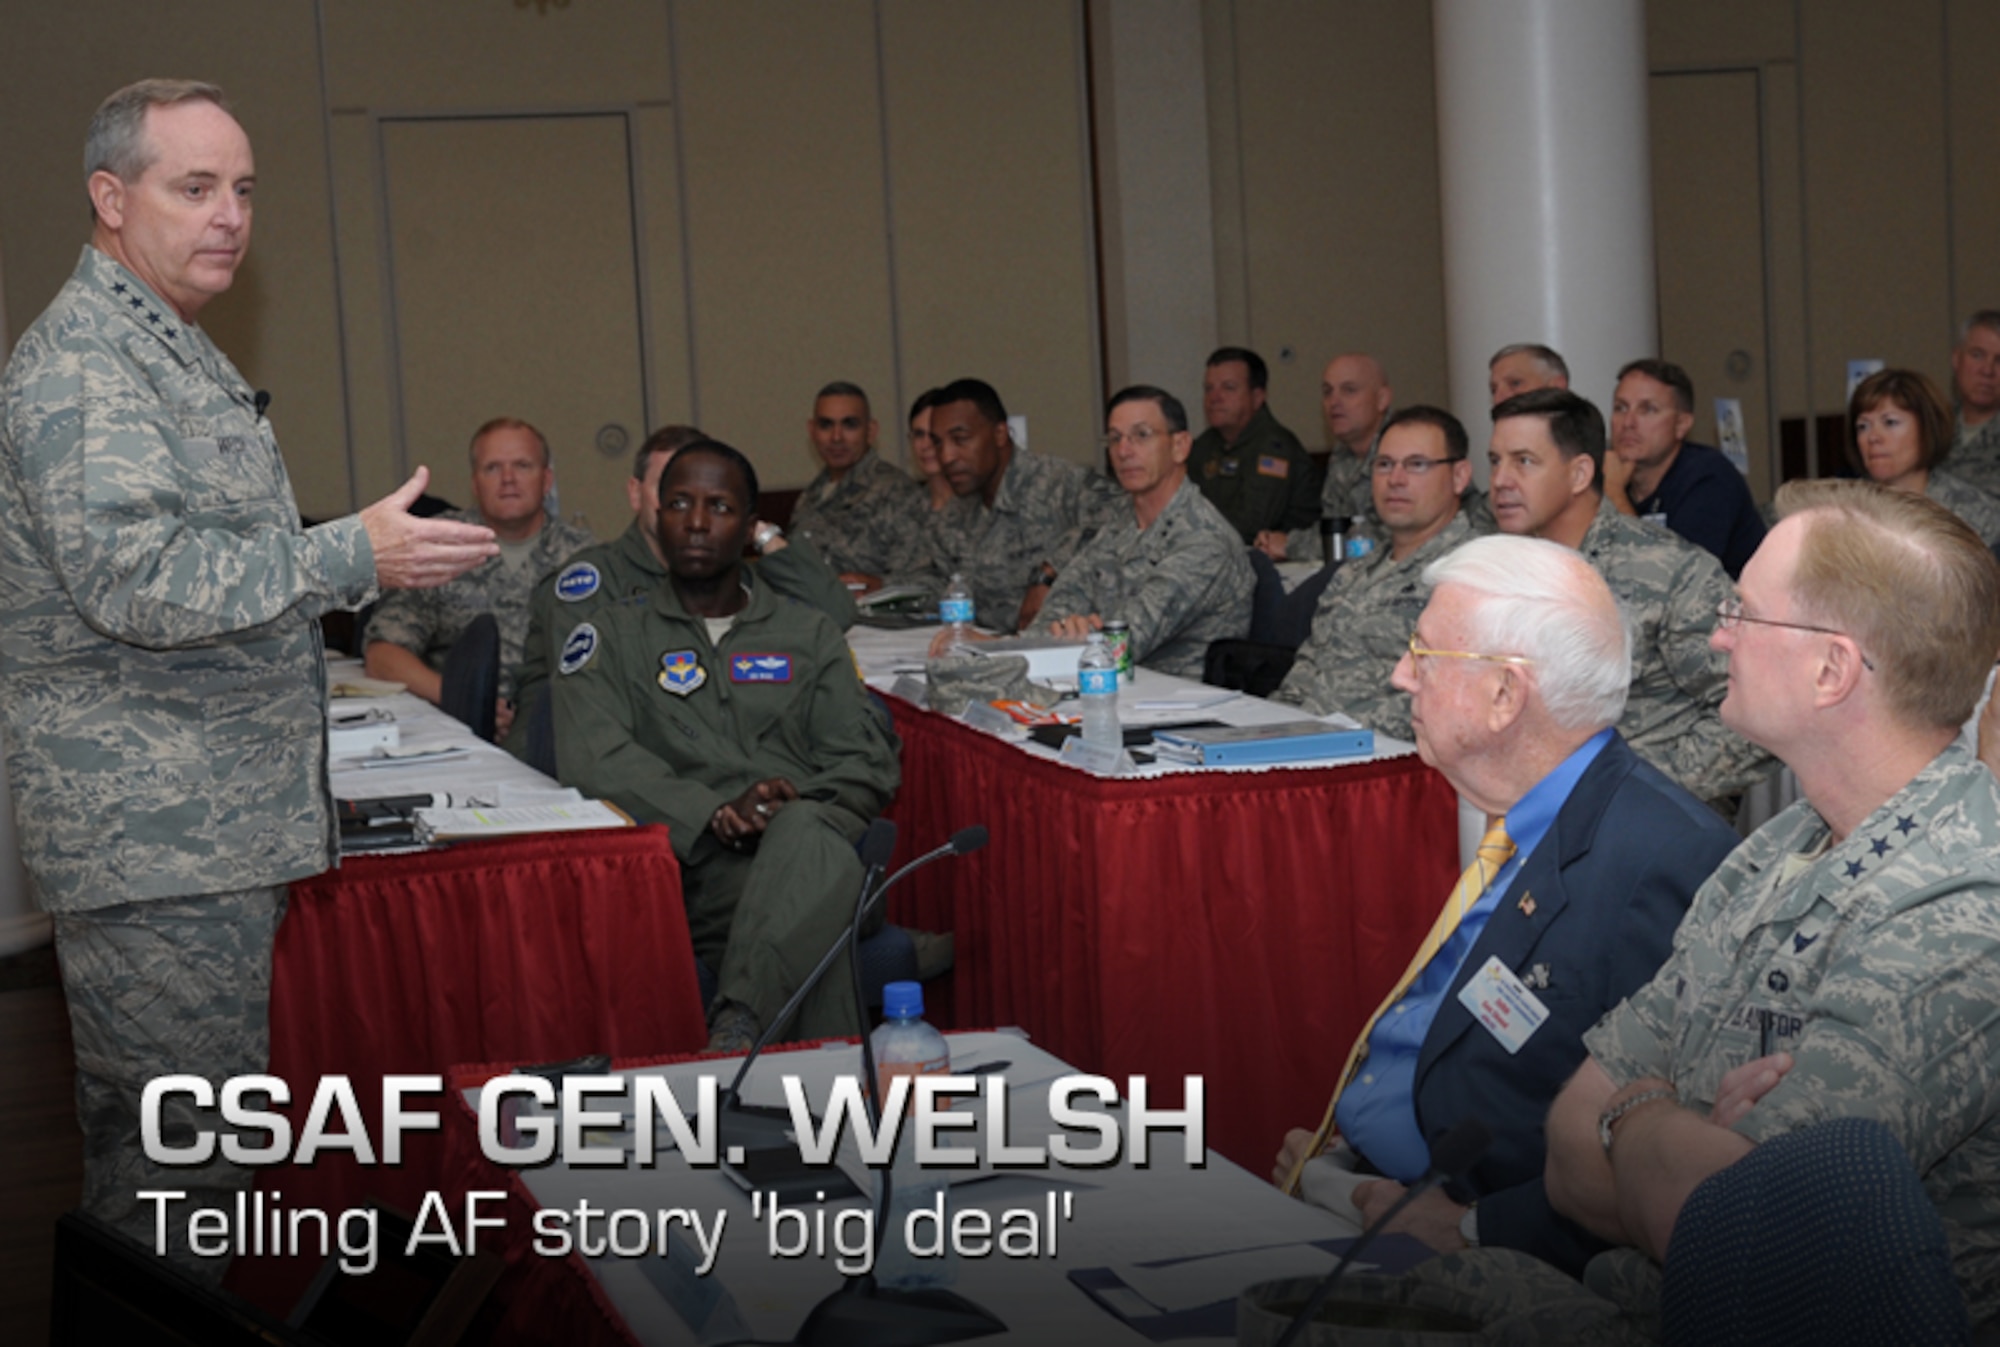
(1503, 1004)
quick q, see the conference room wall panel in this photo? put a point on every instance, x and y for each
(412, 58)
(781, 132)
(1709, 248)
(971, 250)
(989, 202)
(1972, 46)
(1709, 33)
(1340, 234)
(57, 62)
(1876, 189)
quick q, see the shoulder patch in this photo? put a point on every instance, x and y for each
(1271, 465)
(681, 672)
(577, 582)
(577, 648)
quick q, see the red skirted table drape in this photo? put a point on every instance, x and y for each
(529, 949)
(1236, 926)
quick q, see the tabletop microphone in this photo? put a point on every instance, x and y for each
(864, 1313)
(962, 842)
(761, 1129)
(1453, 1153)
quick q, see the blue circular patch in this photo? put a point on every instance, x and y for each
(577, 648)
(577, 582)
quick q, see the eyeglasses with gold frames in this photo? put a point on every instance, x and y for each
(1729, 614)
(1422, 650)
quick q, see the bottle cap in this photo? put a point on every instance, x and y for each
(903, 1000)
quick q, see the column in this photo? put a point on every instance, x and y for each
(1544, 162)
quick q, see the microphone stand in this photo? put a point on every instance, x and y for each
(863, 1313)
(1456, 1151)
(764, 1128)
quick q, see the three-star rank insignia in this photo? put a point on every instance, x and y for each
(681, 673)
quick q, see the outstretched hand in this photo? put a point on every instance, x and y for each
(416, 553)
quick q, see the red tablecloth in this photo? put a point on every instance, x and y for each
(530, 949)
(1237, 926)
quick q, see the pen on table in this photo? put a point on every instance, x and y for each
(986, 1068)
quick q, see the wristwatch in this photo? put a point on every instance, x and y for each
(1609, 1118)
(1468, 1226)
(766, 532)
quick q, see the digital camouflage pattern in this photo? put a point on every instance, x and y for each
(1975, 454)
(426, 622)
(603, 574)
(865, 523)
(1350, 493)
(1514, 1299)
(162, 988)
(1045, 510)
(1181, 583)
(1876, 964)
(1670, 591)
(161, 674)
(1264, 481)
(1361, 629)
(1980, 511)
(668, 726)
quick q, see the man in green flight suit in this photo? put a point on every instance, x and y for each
(736, 718)
(632, 563)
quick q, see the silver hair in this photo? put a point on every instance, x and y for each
(117, 142)
(1544, 357)
(1544, 602)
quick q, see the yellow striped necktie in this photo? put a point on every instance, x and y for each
(1495, 850)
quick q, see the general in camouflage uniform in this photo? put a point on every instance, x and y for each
(1670, 591)
(865, 522)
(1361, 629)
(1046, 510)
(1874, 961)
(1181, 582)
(427, 622)
(1844, 962)
(162, 685)
(1262, 481)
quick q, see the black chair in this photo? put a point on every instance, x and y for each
(1278, 617)
(538, 715)
(1823, 1236)
(1255, 667)
(472, 676)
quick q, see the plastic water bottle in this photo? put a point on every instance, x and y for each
(1097, 688)
(955, 611)
(905, 1045)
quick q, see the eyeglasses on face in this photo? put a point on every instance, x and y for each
(1420, 651)
(1413, 465)
(1729, 615)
